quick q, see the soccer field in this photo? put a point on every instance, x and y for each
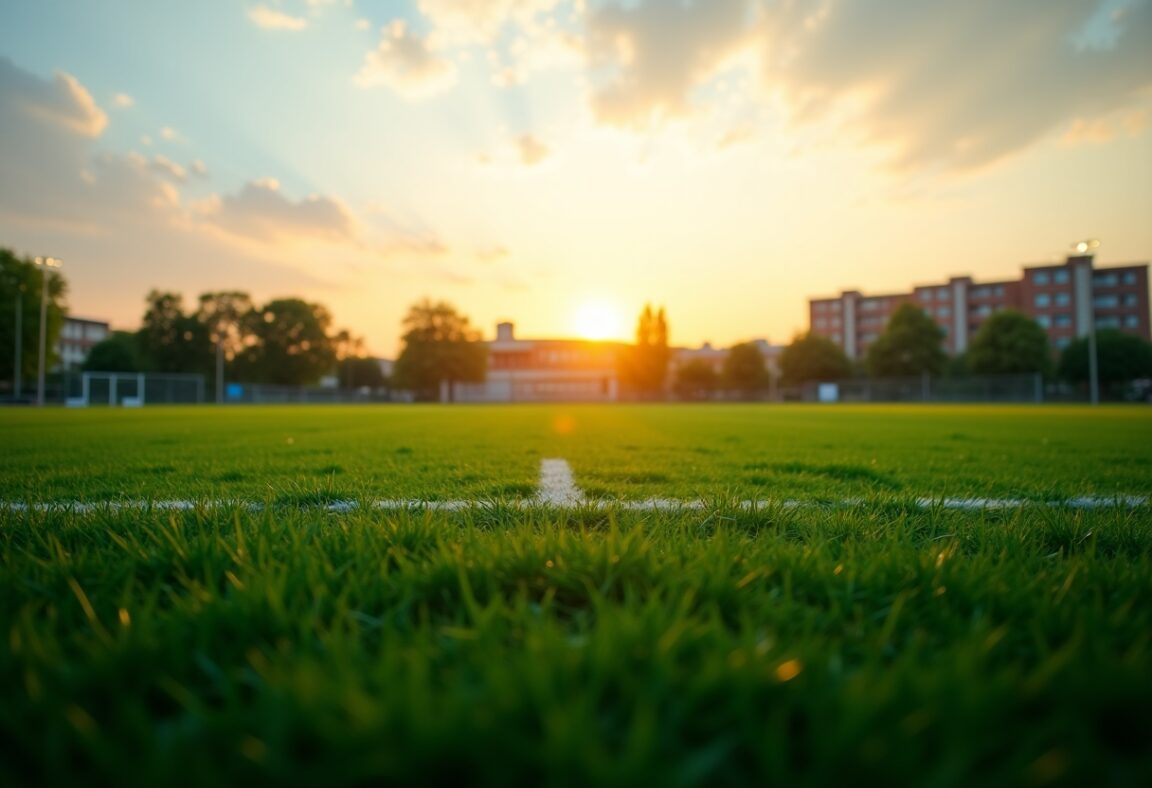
(666, 595)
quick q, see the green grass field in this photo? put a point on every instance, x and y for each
(862, 639)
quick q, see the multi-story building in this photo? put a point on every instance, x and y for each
(1065, 299)
(544, 370)
(78, 336)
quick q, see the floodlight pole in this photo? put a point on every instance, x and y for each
(17, 377)
(44, 263)
(1086, 247)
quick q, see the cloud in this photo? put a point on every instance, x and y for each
(169, 133)
(481, 21)
(60, 105)
(261, 211)
(655, 53)
(123, 101)
(956, 85)
(168, 168)
(531, 150)
(406, 63)
(270, 19)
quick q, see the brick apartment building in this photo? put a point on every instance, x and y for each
(78, 336)
(1062, 298)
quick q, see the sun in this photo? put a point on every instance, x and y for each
(597, 319)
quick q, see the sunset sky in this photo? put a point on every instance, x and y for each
(546, 161)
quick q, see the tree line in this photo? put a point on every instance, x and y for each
(286, 341)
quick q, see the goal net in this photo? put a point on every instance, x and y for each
(134, 389)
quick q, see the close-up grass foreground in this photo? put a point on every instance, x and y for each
(864, 637)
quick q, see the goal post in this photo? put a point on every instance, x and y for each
(135, 389)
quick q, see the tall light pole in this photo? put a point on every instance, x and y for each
(43, 263)
(1084, 248)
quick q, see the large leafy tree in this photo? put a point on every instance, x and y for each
(290, 344)
(171, 340)
(745, 370)
(912, 344)
(21, 283)
(811, 357)
(119, 352)
(440, 346)
(644, 366)
(1120, 358)
(1008, 343)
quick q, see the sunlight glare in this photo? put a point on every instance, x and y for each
(597, 319)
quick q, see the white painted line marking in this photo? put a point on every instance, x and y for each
(601, 504)
(556, 485)
(558, 490)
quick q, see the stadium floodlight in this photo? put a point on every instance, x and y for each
(43, 263)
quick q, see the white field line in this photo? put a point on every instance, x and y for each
(558, 490)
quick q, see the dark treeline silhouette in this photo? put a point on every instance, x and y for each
(287, 341)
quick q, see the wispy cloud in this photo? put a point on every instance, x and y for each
(406, 63)
(531, 150)
(271, 19)
(123, 101)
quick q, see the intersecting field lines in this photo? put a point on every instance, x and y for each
(558, 490)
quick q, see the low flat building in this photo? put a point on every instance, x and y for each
(543, 370)
(1066, 299)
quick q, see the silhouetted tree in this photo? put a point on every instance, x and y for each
(696, 379)
(1009, 343)
(171, 340)
(811, 357)
(119, 352)
(1120, 358)
(745, 370)
(439, 347)
(912, 344)
(20, 286)
(644, 366)
(290, 343)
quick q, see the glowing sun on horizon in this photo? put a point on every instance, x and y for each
(597, 319)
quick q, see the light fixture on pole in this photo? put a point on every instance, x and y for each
(43, 263)
(1086, 248)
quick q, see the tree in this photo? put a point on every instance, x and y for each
(811, 357)
(290, 345)
(696, 379)
(744, 370)
(1120, 358)
(119, 352)
(1009, 343)
(439, 347)
(363, 372)
(21, 283)
(644, 367)
(171, 340)
(912, 344)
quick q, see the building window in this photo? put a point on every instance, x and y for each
(1108, 321)
(924, 295)
(1041, 278)
(943, 294)
(1042, 300)
(1063, 342)
(998, 290)
(1130, 277)
(1063, 320)
(1130, 299)
(1104, 280)
(820, 323)
(1106, 301)
(979, 292)
(1131, 321)
(1063, 299)
(1043, 321)
(943, 311)
(1060, 277)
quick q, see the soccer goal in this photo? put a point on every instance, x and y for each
(134, 389)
